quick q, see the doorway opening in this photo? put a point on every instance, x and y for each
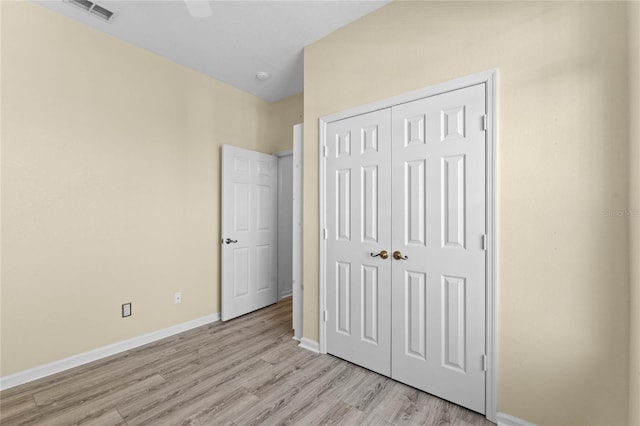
(290, 228)
(261, 256)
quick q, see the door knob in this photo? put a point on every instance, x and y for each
(383, 254)
(398, 256)
(229, 241)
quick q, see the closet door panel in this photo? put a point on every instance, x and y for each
(438, 318)
(358, 286)
(410, 180)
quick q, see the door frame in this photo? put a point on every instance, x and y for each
(488, 77)
(297, 293)
(280, 155)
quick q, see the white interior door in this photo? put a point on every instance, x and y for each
(249, 249)
(438, 226)
(358, 228)
(410, 180)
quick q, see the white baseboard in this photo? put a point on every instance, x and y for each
(507, 420)
(41, 371)
(309, 345)
(286, 294)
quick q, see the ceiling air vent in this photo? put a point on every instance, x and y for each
(92, 8)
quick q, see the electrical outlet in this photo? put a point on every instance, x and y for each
(177, 297)
(126, 310)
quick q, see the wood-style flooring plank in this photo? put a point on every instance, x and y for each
(248, 371)
(111, 418)
(15, 405)
(85, 411)
(340, 413)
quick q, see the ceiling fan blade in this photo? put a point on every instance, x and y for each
(199, 8)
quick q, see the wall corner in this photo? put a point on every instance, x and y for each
(634, 210)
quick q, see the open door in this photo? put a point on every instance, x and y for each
(249, 252)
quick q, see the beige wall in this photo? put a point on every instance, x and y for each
(110, 185)
(562, 164)
(634, 206)
(285, 113)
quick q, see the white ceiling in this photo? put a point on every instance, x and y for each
(240, 39)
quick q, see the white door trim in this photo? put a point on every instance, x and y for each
(296, 272)
(489, 78)
(285, 153)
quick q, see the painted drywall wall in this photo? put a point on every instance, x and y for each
(634, 207)
(562, 176)
(285, 113)
(110, 185)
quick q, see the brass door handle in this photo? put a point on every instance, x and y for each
(383, 254)
(398, 256)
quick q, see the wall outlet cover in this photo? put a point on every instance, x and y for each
(126, 310)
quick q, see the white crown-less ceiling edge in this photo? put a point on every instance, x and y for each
(238, 40)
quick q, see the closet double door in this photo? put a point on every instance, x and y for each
(405, 256)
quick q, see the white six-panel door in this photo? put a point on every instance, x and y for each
(249, 185)
(359, 226)
(438, 168)
(410, 179)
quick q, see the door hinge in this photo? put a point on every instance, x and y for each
(324, 150)
(325, 233)
(484, 242)
(484, 363)
(325, 316)
(484, 122)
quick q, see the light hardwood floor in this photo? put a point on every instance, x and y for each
(246, 371)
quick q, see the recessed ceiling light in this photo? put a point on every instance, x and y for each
(262, 76)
